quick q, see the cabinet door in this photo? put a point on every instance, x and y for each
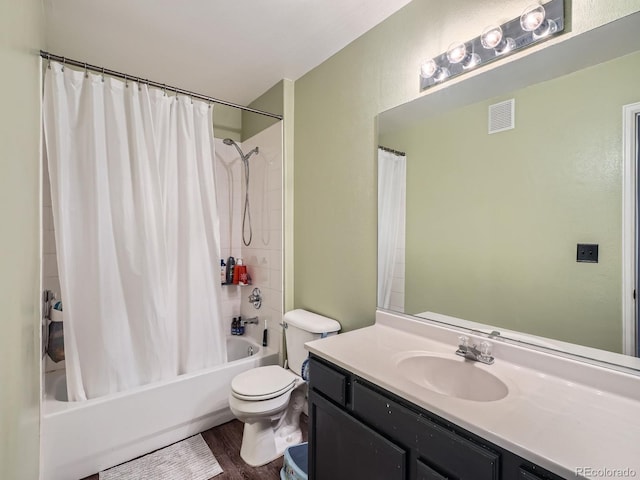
(446, 450)
(342, 448)
(330, 382)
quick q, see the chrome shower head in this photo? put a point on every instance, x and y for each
(245, 158)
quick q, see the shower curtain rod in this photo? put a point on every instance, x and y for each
(391, 150)
(133, 78)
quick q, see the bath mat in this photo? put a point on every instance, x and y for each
(190, 459)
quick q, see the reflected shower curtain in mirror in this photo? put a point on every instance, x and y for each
(137, 231)
(391, 222)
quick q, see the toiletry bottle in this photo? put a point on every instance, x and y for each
(240, 326)
(234, 326)
(242, 275)
(231, 262)
(223, 272)
(236, 271)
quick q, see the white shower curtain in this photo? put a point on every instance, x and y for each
(391, 191)
(137, 232)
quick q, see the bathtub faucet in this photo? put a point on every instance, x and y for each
(250, 321)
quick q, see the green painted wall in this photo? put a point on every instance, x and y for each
(227, 122)
(335, 109)
(20, 39)
(288, 183)
(493, 220)
(271, 101)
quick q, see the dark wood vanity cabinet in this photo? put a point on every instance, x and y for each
(360, 431)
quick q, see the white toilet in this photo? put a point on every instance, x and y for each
(269, 399)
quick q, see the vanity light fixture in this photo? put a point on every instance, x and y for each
(537, 23)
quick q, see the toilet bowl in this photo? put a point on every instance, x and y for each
(269, 399)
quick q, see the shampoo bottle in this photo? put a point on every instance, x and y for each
(231, 262)
(236, 272)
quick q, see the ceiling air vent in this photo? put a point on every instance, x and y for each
(502, 116)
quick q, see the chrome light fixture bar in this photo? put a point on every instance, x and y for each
(536, 24)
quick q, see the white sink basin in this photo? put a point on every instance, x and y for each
(452, 376)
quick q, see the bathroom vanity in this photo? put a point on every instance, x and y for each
(362, 431)
(393, 401)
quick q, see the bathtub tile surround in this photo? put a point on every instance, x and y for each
(578, 416)
(263, 256)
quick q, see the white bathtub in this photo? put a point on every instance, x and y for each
(82, 438)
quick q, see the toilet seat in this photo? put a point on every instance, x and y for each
(263, 383)
(247, 408)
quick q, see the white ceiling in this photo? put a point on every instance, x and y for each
(229, 49)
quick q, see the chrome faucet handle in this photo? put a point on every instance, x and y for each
(463, 346)
(485, 352)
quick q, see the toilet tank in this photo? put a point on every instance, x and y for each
(300, 327)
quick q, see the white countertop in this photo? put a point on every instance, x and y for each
(560, 413)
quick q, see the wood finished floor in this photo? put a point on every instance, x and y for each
(224, 441)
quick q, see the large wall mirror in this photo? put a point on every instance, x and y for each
(481, 230)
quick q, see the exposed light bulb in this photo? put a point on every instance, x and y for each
(457, 52)
(493, 38)
(428, 68)
(534, 19)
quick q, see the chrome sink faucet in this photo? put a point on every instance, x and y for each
(472, 352)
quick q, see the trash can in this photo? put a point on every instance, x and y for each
(296, 463)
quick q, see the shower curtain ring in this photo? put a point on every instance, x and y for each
(49, 61)
(86, 73)
(126, 81)
(102, 74)
(64, 62)
(164, 89)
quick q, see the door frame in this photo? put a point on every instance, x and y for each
(630, 114)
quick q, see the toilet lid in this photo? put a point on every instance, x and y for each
(263, 383)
